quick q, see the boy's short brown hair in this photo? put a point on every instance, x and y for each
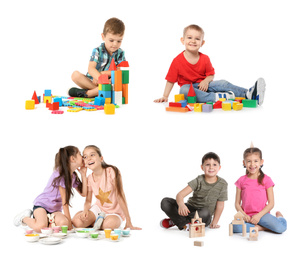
(211, 155)
(114, 26)
(194, 27)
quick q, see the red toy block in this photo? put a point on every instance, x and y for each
(54, 106)
(175, 104)
(191, 92)
(123, 64)
(218, 104)
(112, 65)
(35, 98)
(103, 79)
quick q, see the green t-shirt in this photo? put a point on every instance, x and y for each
(207, 194)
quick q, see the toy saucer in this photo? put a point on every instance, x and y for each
(50, 240)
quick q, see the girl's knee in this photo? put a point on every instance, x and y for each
(111, 222)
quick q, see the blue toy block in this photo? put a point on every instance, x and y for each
(104, 94)
(183, 103)
(58, 99)
(207, 108)
(112, 77)
(47, 93)
(99, 101)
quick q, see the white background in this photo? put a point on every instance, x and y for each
(157, 152)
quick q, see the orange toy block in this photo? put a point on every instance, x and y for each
(118, 80)
(29, 104)
(125, 93)
(177, 109)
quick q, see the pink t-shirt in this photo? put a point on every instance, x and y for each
(106, 193)
(253, 195)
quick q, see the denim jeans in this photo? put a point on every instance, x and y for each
(272, 223)
(214, 86)
(170, 207)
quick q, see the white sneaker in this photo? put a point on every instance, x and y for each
(19, 218)
(227, 95)
(257, 91)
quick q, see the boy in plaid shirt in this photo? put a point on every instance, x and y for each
(100, 60)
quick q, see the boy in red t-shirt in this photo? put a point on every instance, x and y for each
(194, 67)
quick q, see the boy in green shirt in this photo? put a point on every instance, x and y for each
(209, 194)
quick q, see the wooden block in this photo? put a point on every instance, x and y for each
(191, 100)
(118, 80)
(207, 108)
(175, 104)
(177, 109)
(109, 109)
(249, 103)
(237, 106)
(230, 230)
(198, 243)
(226, 106)
(253, 235)
(198, 107)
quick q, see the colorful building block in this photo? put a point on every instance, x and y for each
(109, 109)
(29, 104)
(118, 80)
(183, 103)
(198, 107)
(175, 104)
(237, 106)
(177, 109)
(125, 93)
(47, 93)
(125, 77)
(191, 92)
(249, 103)
(207, 108)
(58, 99)
(103, 79)
(191, 99)
(226, 106)
(179, 97)
(35, 98)
(217, 105)
(47, 99)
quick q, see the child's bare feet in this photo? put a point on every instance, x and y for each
(278, 214)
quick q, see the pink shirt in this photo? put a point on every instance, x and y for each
(106, 193)
(253, 195)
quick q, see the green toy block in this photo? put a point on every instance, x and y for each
(191, 99)
(123, 100)
(125, 77)
(249, 103)
(106, 87)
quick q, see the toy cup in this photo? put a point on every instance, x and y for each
(125, 232)
(64, 229)
(114, 237)
(94, 235)
(117, 231)
(107, 232)
(56, 229)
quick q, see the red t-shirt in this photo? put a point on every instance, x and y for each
(183, 72)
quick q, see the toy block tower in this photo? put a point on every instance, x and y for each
(197, 227)
(191, 97)
(104, 86)
(124, 67)
(238, 220)
(47, 96)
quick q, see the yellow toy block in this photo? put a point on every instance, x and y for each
(198, 107)
(47, 99)
(222, 99)
(237, 106)
(109, 109)
(108, 101)
(29, 104)
(179, 97)
(226, 106)
(99, 87)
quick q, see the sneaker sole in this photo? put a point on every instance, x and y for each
(260, 90)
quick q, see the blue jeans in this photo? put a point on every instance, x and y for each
(272, 223)
(214, 86)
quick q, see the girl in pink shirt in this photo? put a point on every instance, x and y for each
(57, 194)
(255, 196)
(110, 208)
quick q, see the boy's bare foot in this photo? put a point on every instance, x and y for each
(278, 214)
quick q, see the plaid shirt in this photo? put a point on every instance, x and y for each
(103, 59)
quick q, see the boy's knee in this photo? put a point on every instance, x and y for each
(184, 90)
(165, 204)
(75, 75)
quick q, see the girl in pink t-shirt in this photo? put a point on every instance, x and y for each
(255, 196)
(57, 194)
(110, 208)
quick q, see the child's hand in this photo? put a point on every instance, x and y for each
(130, 226)
(95, 81)
(213, 225)
(83, 170)
(84, 215)
(247, 218)
(160, 100)
(183, 210)
(255, 219)
(203, 86)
